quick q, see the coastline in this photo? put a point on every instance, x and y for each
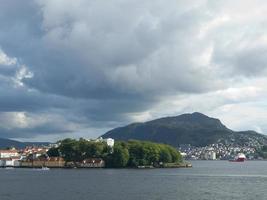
(165, 166)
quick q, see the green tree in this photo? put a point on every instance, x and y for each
(132, 153)
(119, 157)
(70, 151)
(53, 152)
(165, 155)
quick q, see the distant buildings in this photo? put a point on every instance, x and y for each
(52, 162)
(37, 157)
(9, 153)
(217, 151)
(109, 141)
(9, 158)
(209, 155)
(10, 162)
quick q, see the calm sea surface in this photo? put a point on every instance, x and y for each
(220, 180)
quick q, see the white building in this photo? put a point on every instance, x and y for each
(110, 142)
(8, 153)
(210, 155)
(10, 162)
(183, 154)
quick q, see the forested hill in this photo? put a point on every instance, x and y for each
(196, 129)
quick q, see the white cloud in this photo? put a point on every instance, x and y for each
(6, 60)
(21, 74)
(10, 120)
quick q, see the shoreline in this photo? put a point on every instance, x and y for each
(168, 166)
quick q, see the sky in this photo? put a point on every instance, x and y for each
(80, 68)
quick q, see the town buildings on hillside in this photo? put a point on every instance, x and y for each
(217, 152)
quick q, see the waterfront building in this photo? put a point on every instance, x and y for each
(9, 153)
(93, 163)
(10, 162)
(52, 162)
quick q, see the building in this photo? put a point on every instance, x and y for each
(55, 162)
(9, 153)
(183, 154)
(35, 152)
(92, 163)
(10, 162)
(209, 155)
(39, 153)
(110, 142)
(9, 158)
(52, 162)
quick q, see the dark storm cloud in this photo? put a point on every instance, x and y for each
(91, 64)
(96, 51)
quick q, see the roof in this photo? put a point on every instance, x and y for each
(93, 160)
(56, 159)
(49, 159)
(10, 158)
(8, 151)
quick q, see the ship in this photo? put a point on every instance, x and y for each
(239, 158)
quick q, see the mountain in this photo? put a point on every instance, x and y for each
(196, 129)
(5, 143)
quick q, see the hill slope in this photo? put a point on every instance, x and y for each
(5, 143)
(196, 129)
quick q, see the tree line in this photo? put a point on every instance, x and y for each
(124, 154)
(262, 152)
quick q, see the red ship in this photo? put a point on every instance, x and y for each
(239, 158)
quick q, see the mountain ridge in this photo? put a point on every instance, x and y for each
(191, 128)
(6, 143)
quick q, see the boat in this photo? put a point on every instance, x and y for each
(9, 168)
(45, 168)
(239, 158)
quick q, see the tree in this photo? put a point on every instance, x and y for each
(53, 152)
(132, 153)
(70, 150)
(165, 155)
(119, 157)
(176, 156)
(264, 148)
(263, 152)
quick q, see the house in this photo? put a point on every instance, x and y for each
(9, 153)
(52, 162)
(9, 158)
(109, 141)
(55, 162)
(209, 155)
(39, 153)
(10, 162)
(92, 163)
(35, 152)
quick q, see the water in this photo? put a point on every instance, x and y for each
(207, 180)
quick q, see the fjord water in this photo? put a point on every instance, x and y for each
(220, 180)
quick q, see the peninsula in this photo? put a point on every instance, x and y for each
(99, 153)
